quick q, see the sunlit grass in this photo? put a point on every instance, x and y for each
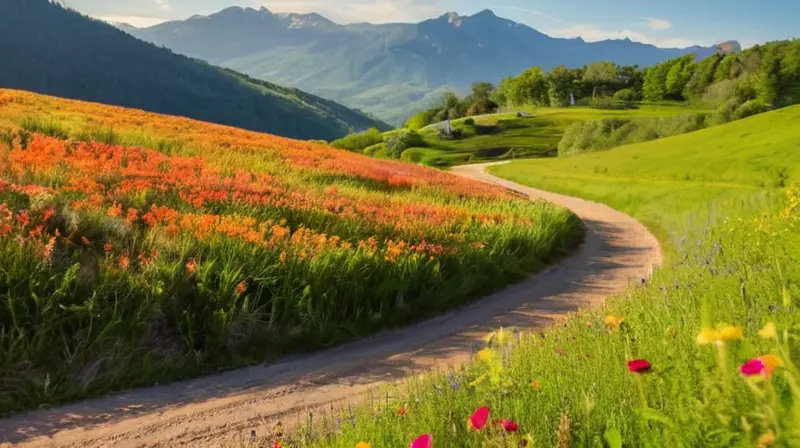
(138, 248)
(733, 242)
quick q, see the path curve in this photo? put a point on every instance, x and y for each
(617, 251)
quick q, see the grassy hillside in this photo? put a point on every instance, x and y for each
(717, 324)
(141, 248)
(73, 56)
(507, 136)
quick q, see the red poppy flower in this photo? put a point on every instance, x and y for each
(276, 444)
(478, 420)
(509, 425)
(402, 411)
(423, 441)
(639, 366)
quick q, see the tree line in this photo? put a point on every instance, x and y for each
(759, 78)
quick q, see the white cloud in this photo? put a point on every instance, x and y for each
(657, 24)
(593, 33)
(163, 5)
(137, 21)
(375, 11)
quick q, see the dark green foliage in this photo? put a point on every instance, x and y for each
(399, 141)
(360, 141)
(469, 122)
(767, 73)
(59, 52)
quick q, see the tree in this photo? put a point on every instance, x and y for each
(531, 88)
(482, 91)
(655, 81)
(678, 76)
(449, 101)
(602, 76)
(560, 84)
(703, 77)
(502, 94)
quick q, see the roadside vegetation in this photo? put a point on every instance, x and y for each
(515, 118)
(138, 248)
(705, 354)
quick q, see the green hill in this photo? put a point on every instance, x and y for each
(717, 324)
(52, 50)
(510, 136)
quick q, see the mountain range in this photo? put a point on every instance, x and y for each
(390, 69)
(49, 49)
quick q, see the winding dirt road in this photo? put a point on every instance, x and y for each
(209, 411)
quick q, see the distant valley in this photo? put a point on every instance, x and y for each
(389, 70)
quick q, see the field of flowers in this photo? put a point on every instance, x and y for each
(706, 354)
(139, 248)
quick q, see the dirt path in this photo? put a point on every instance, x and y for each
(211, 410)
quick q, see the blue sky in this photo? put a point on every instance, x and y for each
(662, 22)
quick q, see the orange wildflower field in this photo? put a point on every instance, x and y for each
(140, 248)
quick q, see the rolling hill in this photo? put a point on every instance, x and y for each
(659, 365)
(158, 247)
(389, 69)
(73, 56)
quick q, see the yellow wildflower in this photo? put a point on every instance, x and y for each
(613, 323)
(731, 334)
(766, 440)
(363, 445)
(486, 355)
(706, 337)
(769, 331)
(771, 362)
(726, 333)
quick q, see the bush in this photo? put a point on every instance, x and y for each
(400, 141)
(604, 134)
(587, 136)
(469, 122)
(749, 108)
(724, 113)
(371, 150)
(627, 96)
(360, 141)
(413, 155)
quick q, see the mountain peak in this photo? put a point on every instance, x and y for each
(310, 20)
(488, 13)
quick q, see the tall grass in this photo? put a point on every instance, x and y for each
(733, 266)
(139, 249)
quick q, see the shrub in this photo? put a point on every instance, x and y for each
(725, 112)
(469, 122)
(627, 96)
(400, 141)
(371, 150)
(604, 134)
(749, 108)
(413, 155)
(360, 141)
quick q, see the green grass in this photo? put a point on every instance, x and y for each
(507, 136)
(139, 248)
(732, 236)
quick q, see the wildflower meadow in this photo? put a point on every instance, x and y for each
(139, 248)
(705, 354)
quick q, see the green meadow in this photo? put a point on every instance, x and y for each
(509, 136)
(718, 323)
